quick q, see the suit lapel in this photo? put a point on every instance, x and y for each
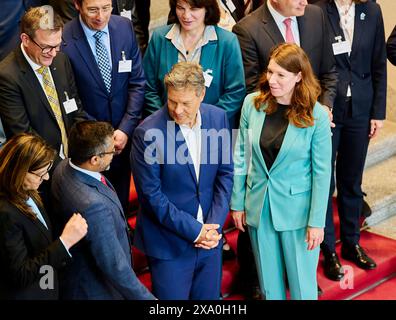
(57, 75)
(40, 226)
(107, 191)
(82, 46)
(334, 19)
(115, 53)
(292, 132)
(359, 28)
(33, 83)
(270, 26)
(257, 126)
(175, 135)
(208, 55)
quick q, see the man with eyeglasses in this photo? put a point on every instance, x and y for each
(106, 60)
(102, 264)
(37, 87)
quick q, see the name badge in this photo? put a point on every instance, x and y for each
(70, 105)
(124, 65)
(231, 6)
(341, 47)
(208, 77)
(126, 14)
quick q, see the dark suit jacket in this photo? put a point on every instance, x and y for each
(258, 34)
(122, 107)
(24, 106)
(365, 69)
(25, 246)
(391, 47)
(102, 261)
(168, 190)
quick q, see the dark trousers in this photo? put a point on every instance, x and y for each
(350, 142)
(247, 275)
(195, 275)
(119, 175)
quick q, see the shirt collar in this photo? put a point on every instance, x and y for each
(208, 35)
(32, 64)
(277, 16)
(89, 33)
(197, 124)
(93, 174)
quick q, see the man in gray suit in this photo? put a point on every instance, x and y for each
(278, 21)
(102, 264)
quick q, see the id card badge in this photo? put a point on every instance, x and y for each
(126, 14)
(70, 105)
(61, 152)
(124, 65)
(231, 5)
(341, 47)
(208, 77)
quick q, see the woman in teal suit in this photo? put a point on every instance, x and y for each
(195, 37)
(282, 174)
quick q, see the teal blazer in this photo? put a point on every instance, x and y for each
(223, 56)
(297, 185)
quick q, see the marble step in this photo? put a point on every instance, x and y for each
(382, 147)
(379, 182)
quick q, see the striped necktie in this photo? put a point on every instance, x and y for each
(103, 60)
(52, 96)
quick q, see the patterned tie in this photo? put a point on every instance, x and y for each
(289, 33)
(103, 60)
(53, 100)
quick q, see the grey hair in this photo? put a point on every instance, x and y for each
(186, 75)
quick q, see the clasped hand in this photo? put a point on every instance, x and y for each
(209, 237)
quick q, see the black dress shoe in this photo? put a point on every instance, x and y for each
(332, 266)
(357, 255)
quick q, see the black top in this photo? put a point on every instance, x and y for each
(272, 134)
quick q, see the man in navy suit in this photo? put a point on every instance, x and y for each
(181, 161)
(107, 64)
(102, 264)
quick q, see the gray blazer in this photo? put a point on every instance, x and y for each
(102, 261)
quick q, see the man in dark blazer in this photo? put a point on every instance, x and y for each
(258, 33)
(359, 112)
(182, 166)
(25, 104)
(102, 263)
(391, 47)
(107, 63)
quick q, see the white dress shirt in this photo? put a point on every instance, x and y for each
(281, 26)
(193, 141)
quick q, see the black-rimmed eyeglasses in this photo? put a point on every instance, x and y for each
(46, 49)
(107, 152)
(41, 176)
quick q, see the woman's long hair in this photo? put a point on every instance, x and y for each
(306, 92)
(21, 154)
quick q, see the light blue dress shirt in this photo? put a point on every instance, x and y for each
(89, 34)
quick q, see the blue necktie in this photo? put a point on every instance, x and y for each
(103, 60)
